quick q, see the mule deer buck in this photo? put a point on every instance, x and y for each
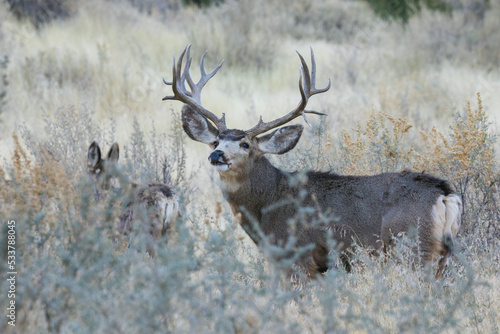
(156, 200)
(366, 210)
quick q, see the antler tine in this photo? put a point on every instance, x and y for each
(307, 88)
(204, 73)
(177, 82)
(187, 76)
(192, 97)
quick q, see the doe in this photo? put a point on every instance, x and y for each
(156, 200)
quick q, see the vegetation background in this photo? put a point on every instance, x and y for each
(421, 93)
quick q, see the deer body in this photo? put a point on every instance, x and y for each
(157, 201)
(366, 210)
(154, 203)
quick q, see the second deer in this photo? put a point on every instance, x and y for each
(154, 204)
(364, 210)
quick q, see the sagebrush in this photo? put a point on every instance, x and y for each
(398, 101)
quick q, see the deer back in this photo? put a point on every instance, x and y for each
(155, 204)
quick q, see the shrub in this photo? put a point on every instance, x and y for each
(76, 276)
(466, 156)
(76, 273)
(156, 6)
(241, 32)
(202, 3)
(39, 12)
(326, 20)
(402, 10)
(379, 146)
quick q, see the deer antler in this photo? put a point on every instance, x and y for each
(307, 86)
(192, 97)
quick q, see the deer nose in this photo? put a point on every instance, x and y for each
(216, 157)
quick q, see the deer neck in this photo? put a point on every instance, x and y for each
(260, 177)
(258, 189)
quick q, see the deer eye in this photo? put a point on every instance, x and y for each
(244, 145)
(215, 143)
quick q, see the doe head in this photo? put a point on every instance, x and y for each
(98, 168)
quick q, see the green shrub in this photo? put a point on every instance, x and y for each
(402, 10)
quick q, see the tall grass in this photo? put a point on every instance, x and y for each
(401, 99)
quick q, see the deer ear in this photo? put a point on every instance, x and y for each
(94, 155)
(114, 153)
(197, 127)
(281, 140)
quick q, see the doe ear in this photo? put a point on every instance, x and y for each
(281, 140)
(114, 153)
(94, 155)
(197, 127)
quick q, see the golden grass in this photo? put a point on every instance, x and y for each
(467, 151)
(38, 191)
(374, 141)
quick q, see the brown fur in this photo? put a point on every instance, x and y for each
(368, 210)
(157, 201)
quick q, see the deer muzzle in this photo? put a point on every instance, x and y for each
(218, 160)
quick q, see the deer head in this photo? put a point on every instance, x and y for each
(234, 150)
(97, 167)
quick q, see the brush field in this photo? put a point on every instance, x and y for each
(423, 97)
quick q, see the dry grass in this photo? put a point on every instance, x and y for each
(400, 100)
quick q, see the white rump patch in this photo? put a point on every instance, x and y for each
(446, 216)
(169, 208)
(453, 214)
(439, 217)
